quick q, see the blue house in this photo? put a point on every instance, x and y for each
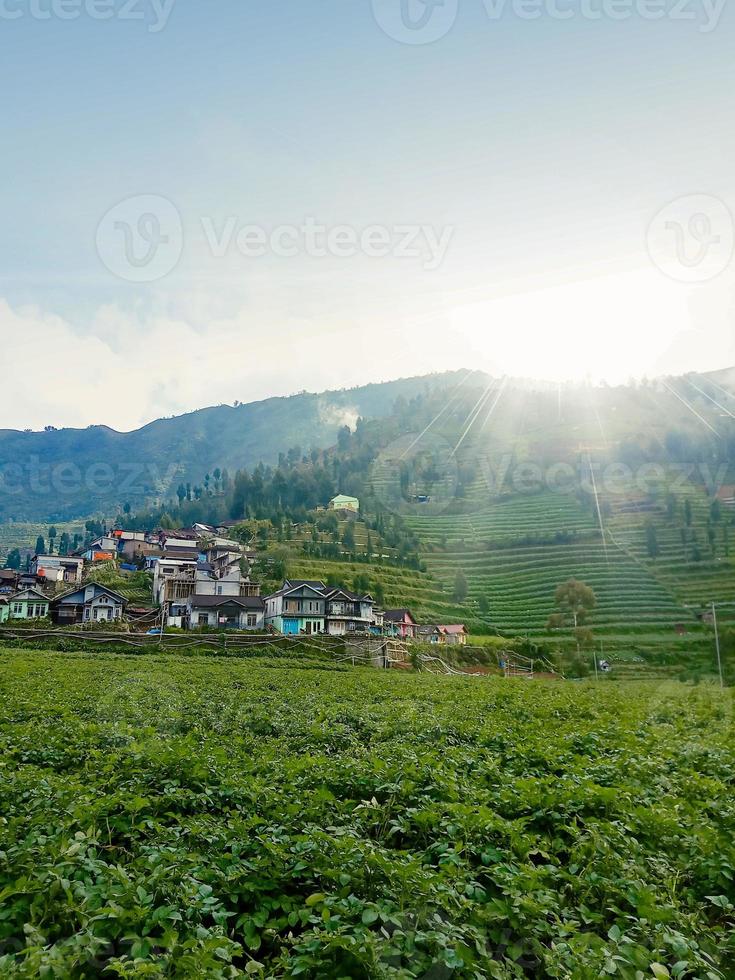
(299, 606)
(91, 603)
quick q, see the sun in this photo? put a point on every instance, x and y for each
(607, 327)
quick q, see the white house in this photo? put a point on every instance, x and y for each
(343, 502)
(58, 568)
(348, 612)
(169, 573)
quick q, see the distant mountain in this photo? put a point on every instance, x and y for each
(69, 473)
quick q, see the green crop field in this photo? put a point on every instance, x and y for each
(164, 816)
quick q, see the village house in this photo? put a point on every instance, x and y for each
(97, 554)
(224, 557)
(225, 527)
(308, 607)
(178, 540)
(58, 569)
(136, 545)
(226, 612)
(27, 580)
(343, 502)
(9, 580)
(29, 604)
(103, 548)
(177, 582)
(122, 535)
(378, 621)
(299, 606)
(190, 554)
(203, 530)
(173, 581)
(400, 623)
(92, 603)
(348, 612)
(454, 635)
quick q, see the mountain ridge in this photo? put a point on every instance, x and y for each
(64, 473)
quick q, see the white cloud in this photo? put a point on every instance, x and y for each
(126, 369)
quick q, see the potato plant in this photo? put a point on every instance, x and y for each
(202, 817)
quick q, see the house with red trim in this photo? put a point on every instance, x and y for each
(400, 623)
(455, 635)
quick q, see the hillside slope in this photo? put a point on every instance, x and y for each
(73, 473)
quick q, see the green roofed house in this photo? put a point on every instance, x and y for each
(30, 604)
(343, 502)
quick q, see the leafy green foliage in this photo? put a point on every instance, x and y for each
(164, 817)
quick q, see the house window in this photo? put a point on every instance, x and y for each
(252, 619)
(17, 608)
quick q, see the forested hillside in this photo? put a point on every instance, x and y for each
(71, 473)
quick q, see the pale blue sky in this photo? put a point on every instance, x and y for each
(545, 147)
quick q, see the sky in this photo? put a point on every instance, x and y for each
(210, 202)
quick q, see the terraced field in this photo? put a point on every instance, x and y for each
(694, 583)
(518, 548)
(519, 584)
(507, 518)
(418, 591)
(24, 536)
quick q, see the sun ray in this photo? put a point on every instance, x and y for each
(691, 409)
(720, 388)
(474, 412)
(436, 418)
(714, 402)
(495, 403)
(599, 509)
